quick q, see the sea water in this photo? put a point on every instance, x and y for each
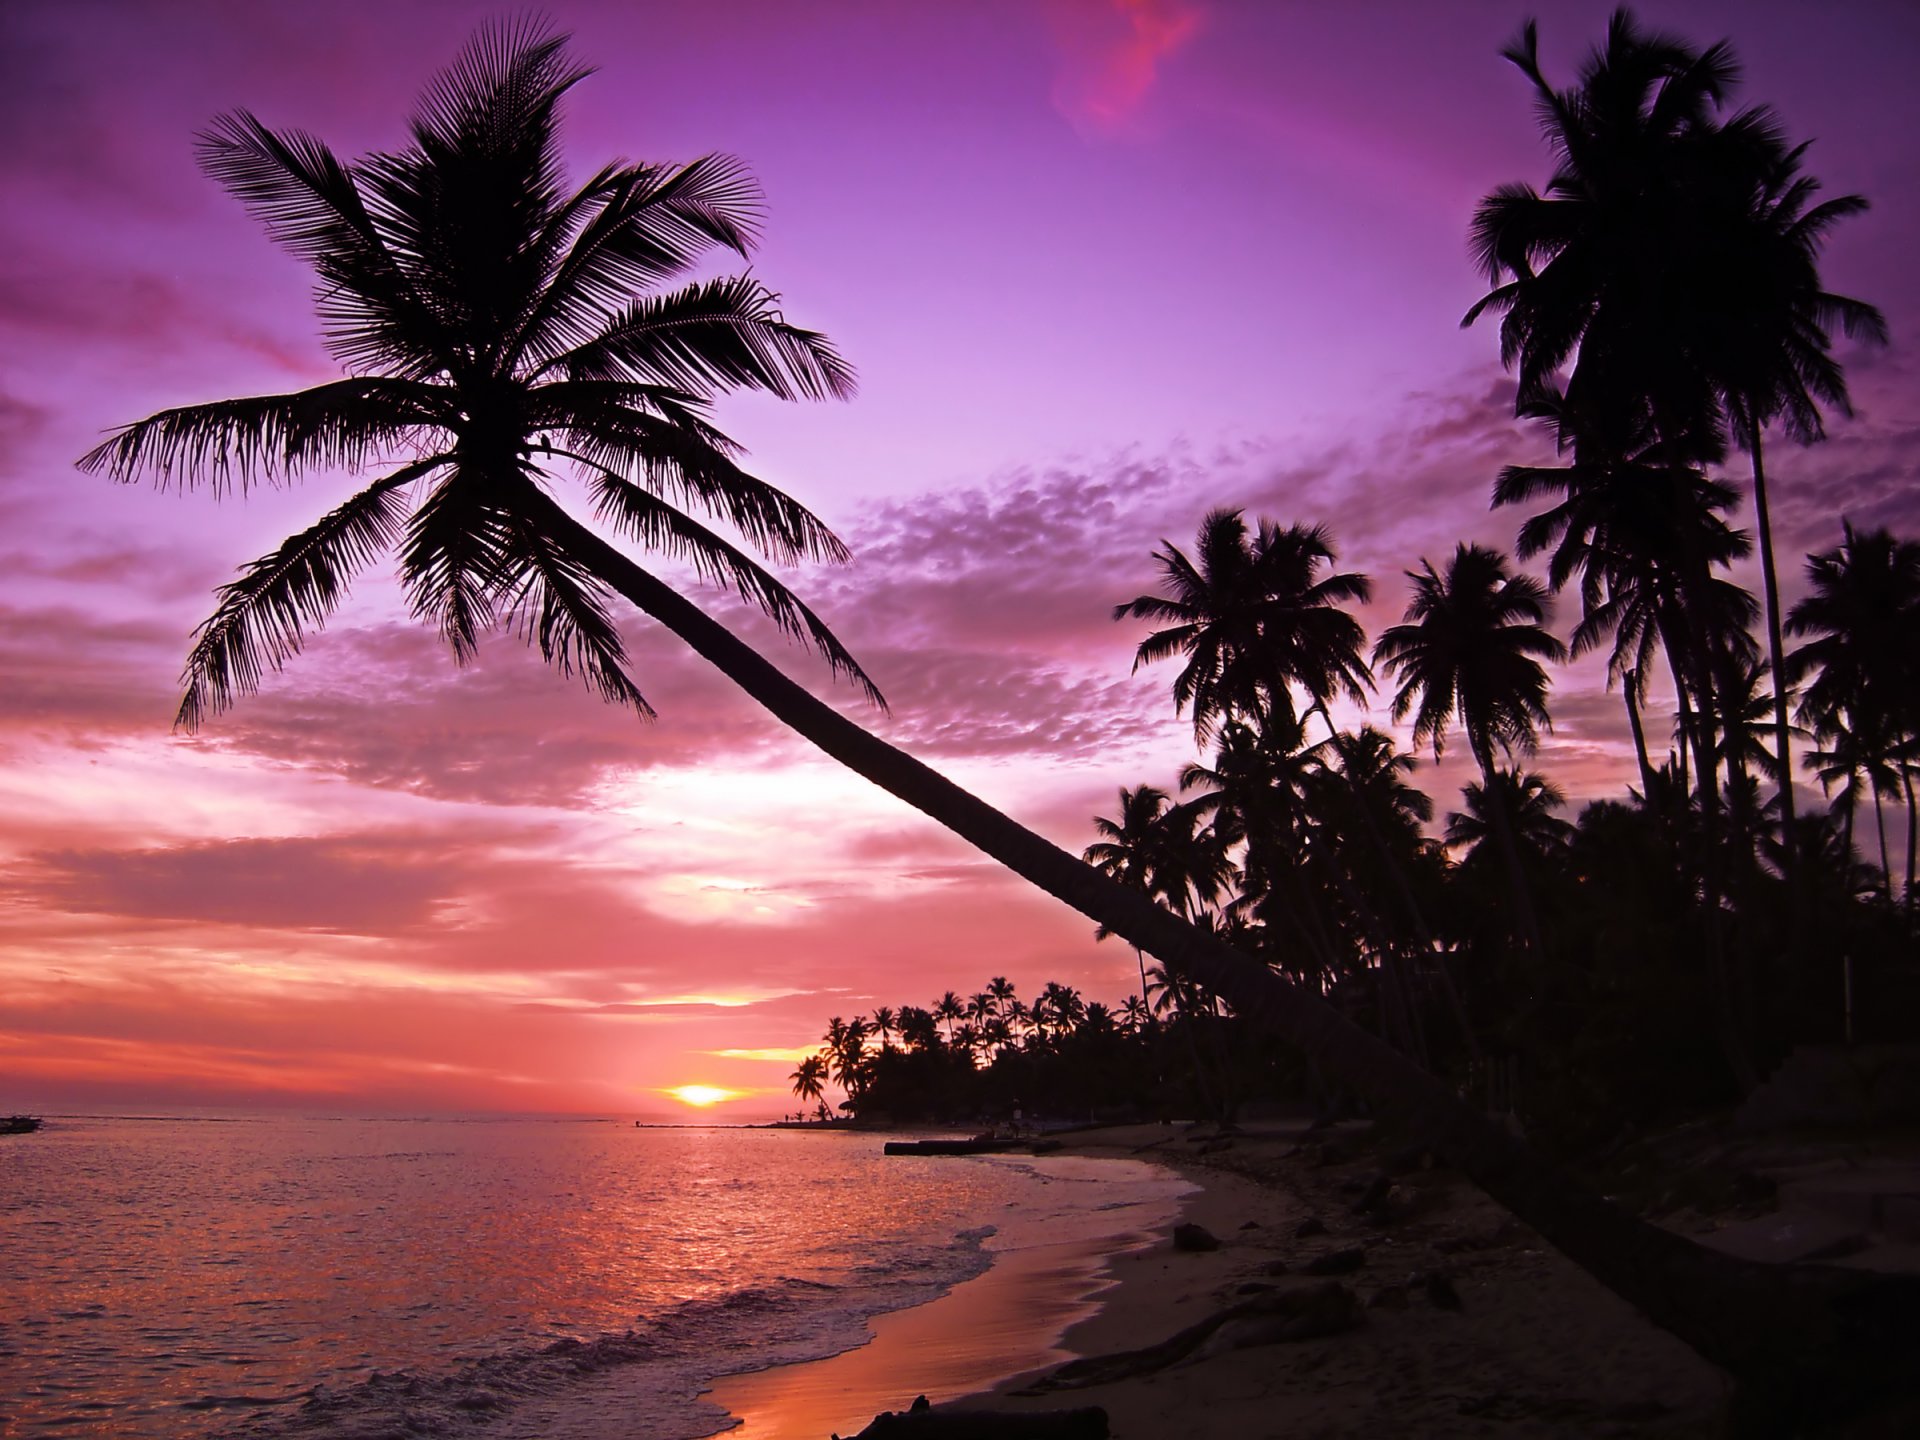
(173, 1279)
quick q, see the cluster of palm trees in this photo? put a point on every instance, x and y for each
(946, 1050)
(1660, 299)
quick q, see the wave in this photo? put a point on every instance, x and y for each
(588, 1386)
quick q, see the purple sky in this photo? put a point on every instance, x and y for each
(1102, 265)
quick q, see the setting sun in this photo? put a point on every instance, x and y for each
(702, 1095)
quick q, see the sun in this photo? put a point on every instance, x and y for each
(701, 1096)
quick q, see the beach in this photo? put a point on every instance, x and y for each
(1466, 1323)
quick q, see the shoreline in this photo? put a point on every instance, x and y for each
(1511, 1340)
(1012, 1319)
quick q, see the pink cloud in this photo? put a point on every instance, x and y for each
(1111, 52)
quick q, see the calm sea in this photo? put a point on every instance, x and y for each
(170, 1278)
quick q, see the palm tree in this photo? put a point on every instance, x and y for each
(1861, 614)
(809, 1080)
(486, 322)
(1253, 617)
(950, 1009)
(1529, 800)
(1470, 650)
(1675, 255)
(884, 1025)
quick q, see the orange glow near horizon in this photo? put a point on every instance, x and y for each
(701, 1096)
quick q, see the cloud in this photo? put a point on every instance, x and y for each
(364, 885)
(1111, 52)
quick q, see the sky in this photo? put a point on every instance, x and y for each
(1102, 265)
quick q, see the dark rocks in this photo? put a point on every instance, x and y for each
(1440, 1291)
(1388, 1297)
(1274, 1267)
(1194, 1237)
(1309, 1227)
(1336, 1262)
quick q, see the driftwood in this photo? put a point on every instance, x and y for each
(923, 1422)
(1304, 1313)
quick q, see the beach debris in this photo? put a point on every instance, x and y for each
(1194, 1237)
(1309, 1227)
(921, 1421)
(1336, 1262)
(1301, 1313)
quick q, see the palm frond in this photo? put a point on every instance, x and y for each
(458, 544)
(658, 525)
(311, 204)
(722, 334)
(273, 437)
(557, 603)
(263, 617)
(680, 461)
(648, 223)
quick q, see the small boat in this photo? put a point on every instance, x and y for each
(19, 1124)
(978, 1145)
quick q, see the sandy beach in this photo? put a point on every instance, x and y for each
(1467, 1324)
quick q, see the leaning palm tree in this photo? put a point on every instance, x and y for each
(1470, 651)
(488, 323)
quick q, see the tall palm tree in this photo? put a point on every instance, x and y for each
(460, 286)
(1470, 652)
(1672, 257)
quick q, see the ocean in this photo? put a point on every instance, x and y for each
(266, 1276)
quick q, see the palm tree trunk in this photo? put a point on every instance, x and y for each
(1509, 849)
(1420, 928)
(1776, 646)
(1886, 869)
(1802, 1340)
(1631, 685)
(1913, 842)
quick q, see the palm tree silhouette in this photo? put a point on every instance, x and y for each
(1470, 650)
(1673, 256)
(486, 321)
(1861, 615)
(809, 1080)
(1254, 617)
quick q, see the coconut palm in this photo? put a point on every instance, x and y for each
(1469, 652)
(809, 1080)
(1860, 616)
(1673, 258)
(949, 1009)
(1255, 616)
(489, 324)
(1529, 800)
